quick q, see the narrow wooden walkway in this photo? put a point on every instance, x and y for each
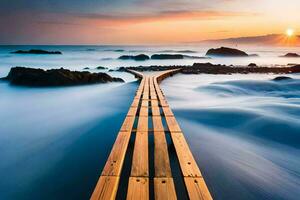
(150, 104)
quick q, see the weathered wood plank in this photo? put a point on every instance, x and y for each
(197, 189)
(167, 111)
(155, 111)
(144, 112)
(157, 123)
(161, 157)
(139, 165)
(187, 162)
(164, 189)
(128, 123)
(138, 188)
(172, 124)
(106, 188)
(132, 111)
(116, 158)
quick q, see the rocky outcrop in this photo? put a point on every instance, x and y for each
(36, 51)
(55, 77)
(291, 55)
(208, 68)
(226, 52)
(252, 65)
(100, 67)
(140, 57)
(167, 56)
(282, 78)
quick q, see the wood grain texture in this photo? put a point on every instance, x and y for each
(106, 188)
(116, 158)
(197, 189)
(138, 188)
(164, 189)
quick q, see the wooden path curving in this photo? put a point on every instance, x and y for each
(150, 104)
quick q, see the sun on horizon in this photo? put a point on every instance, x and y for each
(290, 32)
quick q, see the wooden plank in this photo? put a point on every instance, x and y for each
(187, 162)
(106, 188)
(154, 102)
(164, 189)
(142, 124)
(132, 111)
(114, 163)
(167, 111)
(155, 111)
(140, 155)
(161, 157)
(197, 189)
(138, 188)
(135, 103)
(145, 102)
(143, 112)
(157, 123)
(128, 123)
(172, 124)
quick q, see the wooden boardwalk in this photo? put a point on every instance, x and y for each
(150, 104)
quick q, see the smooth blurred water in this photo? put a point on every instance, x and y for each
(243, 129)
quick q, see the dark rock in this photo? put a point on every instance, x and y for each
(180, 51)
(291, 55)
(226, 52)
(196, 57)
(166, 56)
(140, 57)
(100, 67)
(55, 77)
(86, 68)
(252, 65)
(281, 78)
(36, 51)
(208, 68)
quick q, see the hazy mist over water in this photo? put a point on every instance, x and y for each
(243, 129)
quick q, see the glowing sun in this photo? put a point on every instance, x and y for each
(289, 32)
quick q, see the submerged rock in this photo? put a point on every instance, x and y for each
(225, 51)
(100, 67)
(291, 55)
(86, 68)
(281, 78)
(166, 56)
(36, 51)
(55, 77)
(140, 57)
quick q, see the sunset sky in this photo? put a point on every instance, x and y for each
(142, 21)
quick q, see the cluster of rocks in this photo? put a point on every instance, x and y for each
(143, 57)
(55, 77)
(208, 68)
(36, 51)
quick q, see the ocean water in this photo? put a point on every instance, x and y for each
(244, 130)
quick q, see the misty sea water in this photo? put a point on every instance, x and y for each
(244, 130)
